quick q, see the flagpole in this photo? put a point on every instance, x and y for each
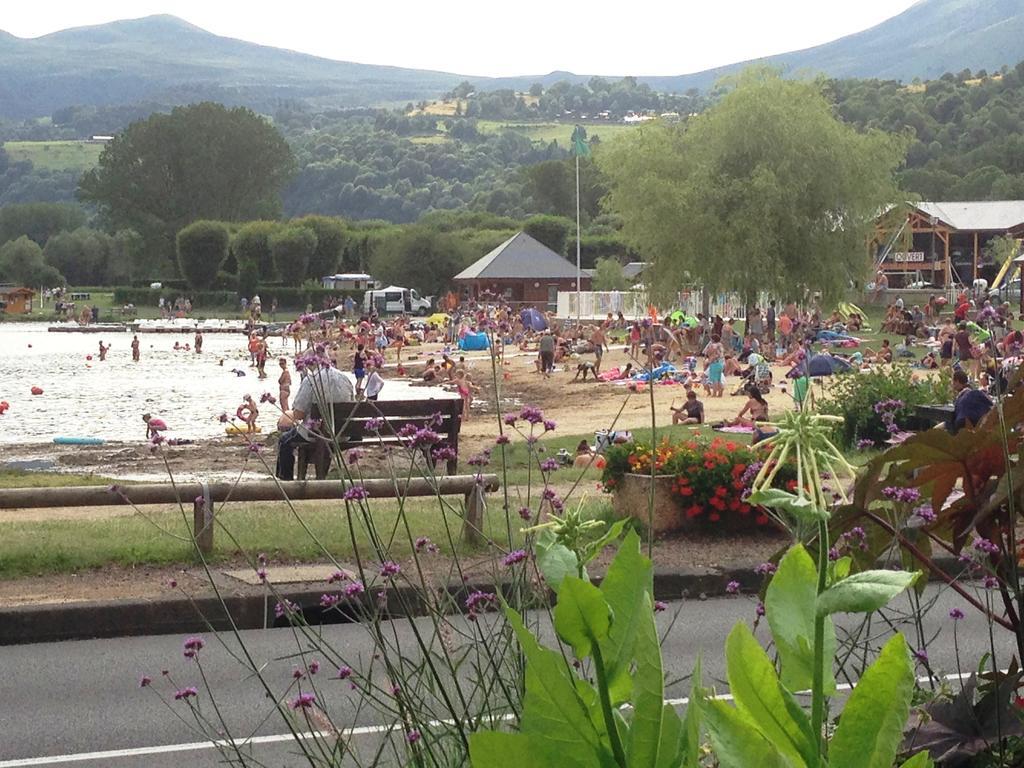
(579, 306)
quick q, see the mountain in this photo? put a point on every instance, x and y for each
(927, 40)
(163, 59)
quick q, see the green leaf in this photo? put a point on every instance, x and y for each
(736, 739)
(555, 561)
(648, 692)
(871, 726)
(920, 760)
(756, 690)
(789, 607)
(671, 749)
(614, 531)
(839, 569)
(556, 708)
(490, 749)
(691, 725)
(582, 615)
(864, 592)
(629, 578)
(801, 509)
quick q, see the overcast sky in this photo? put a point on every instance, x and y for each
(642, 37)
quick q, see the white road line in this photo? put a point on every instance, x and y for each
(195, 746)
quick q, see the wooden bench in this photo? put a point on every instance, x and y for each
(345, 428)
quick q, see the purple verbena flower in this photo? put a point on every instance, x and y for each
(303, 701)
(145, 681)
(373, 424)
(516, 556)
(660, 606)
(329, 601)
(389, 568)
(413, 736)
(354, 589)
(985, 546)
(525, 513)
(502, 440)
(356, 493)
(344, 672)
(766, 569)
(549, 425)
(549, 465)
(956, 614)
(186, 693)
(732, 588)
(424, 544)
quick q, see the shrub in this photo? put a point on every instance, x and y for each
(251, 246)
(293, 247)
(202, 250)
(854, 397)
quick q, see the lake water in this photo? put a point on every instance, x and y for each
(83, 398)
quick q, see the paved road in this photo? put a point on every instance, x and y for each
(61, 703)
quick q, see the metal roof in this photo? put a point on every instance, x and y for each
(988, 215)
(519, 257)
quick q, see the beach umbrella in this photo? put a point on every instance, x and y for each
(826, 365)
(533, 319)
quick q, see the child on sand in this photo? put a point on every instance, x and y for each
(284, 384)
(374, 383)
(359, 367)
(690, 412)
(248, 412)
(154, 426)
(466, 388)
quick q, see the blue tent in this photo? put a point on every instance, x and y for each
(533, 319)
(473, 342)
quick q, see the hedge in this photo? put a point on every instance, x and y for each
(287, 298)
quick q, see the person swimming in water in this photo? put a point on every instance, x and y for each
(103, 351)
(135, 349)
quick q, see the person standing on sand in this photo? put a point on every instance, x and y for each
(547, 353)
(599, 342)
(135, 349)
(103, 351)
(284, 384)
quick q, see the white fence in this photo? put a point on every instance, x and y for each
(596, 305)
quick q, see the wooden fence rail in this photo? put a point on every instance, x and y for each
(202, 496)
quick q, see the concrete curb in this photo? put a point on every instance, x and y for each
(180, 615)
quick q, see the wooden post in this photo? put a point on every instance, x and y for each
(202, 523)
(975, 256)
(473, 523)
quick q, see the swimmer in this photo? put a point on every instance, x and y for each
(154, 426)
(103, 351)
(199, 342)
(284, 384)
(135, 349)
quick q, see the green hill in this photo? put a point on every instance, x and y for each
(166, 60)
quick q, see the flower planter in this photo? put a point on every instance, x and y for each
(631, 499)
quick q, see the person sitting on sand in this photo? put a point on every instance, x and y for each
(753, 411)
(690, 412)
(154, 426)
(584, 455)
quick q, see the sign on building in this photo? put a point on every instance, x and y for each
(904, 257)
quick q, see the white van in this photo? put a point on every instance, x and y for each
(394, 300)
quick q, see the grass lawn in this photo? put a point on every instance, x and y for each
(56, 155)
(18, 478)
(161, 538)
(560, 132)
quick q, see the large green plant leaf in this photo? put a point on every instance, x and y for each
(871, 725)
(691, 725)
(789, 606)
(864, 592)
(672, 748)
(920, 760)
(629, 578)
(736, 739)
(555, 561)
(557, 705)
(642, 747)
(582, 615)
(756, 690)
(801, 509)
(491, 749)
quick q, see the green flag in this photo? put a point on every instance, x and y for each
(580, 148)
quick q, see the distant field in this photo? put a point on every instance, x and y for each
(560, 132)
(56, 155)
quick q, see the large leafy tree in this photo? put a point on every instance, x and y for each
(330, 243)
(202, 161)
(293, 247)
(38, 221)
(420, 258)
(21, 263)
(766, 191)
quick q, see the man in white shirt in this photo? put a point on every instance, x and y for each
(324, 386)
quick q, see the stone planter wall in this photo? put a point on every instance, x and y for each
(631, 499)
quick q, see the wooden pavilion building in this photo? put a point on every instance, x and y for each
(944, 243)
(523, 271)
(15, 300)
